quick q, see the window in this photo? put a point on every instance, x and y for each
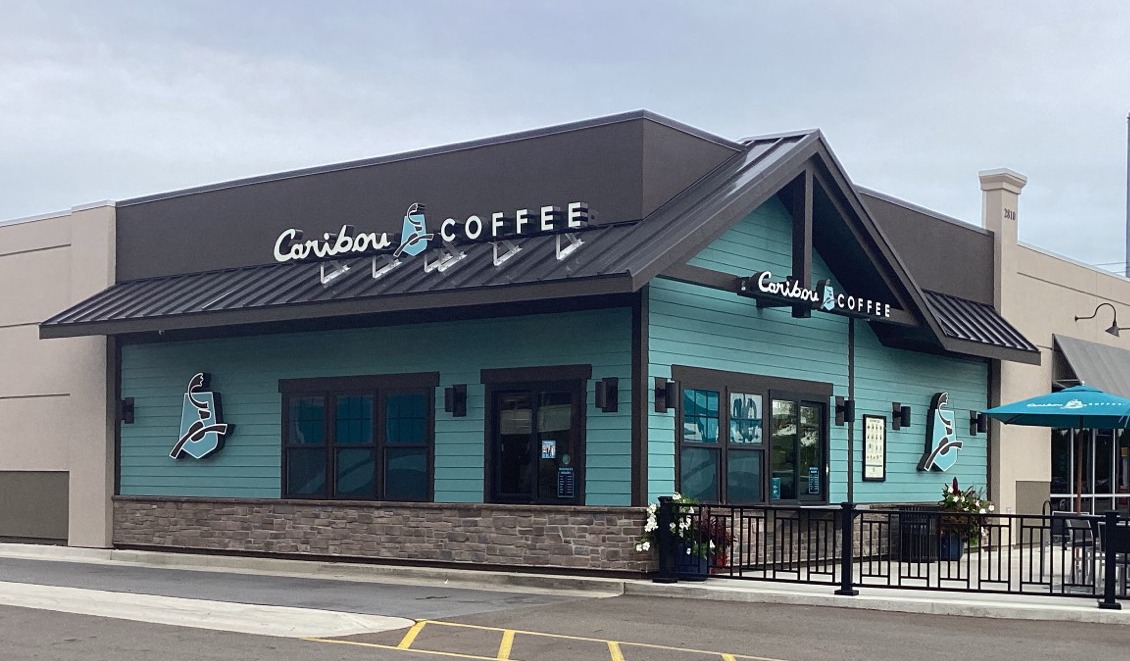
(742, 439)
(1090, 470)
(721, 440)
(358, 438)
(535, 434)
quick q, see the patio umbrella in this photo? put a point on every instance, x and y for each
(1078, 407)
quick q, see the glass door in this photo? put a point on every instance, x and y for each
(798, 442)
(535, 446)
(810, 471)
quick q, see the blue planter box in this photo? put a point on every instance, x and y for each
(950, 547)
(690, 567)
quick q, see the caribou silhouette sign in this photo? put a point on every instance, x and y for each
(201, 432)
(942, 442)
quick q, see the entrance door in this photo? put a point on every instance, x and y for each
(798, 442)
(536, 445)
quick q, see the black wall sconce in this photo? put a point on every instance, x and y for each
(845, 411)
(1114, 327)
(125, 411)
(455, 400)
(666, 391)
(978, 423)
(900, 416)
(608, 394)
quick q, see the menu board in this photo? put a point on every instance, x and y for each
(566, 483)
(874, 448)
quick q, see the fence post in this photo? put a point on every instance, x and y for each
(665, 541)
(847, 571)
(1110, 523)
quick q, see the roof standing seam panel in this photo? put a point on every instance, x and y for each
(91, 306)
(141, 293)
(971, 321)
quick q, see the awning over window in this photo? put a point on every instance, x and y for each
(1104, 367)
(972, 327)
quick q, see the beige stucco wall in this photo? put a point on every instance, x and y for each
(1040, 294)
(55, 395)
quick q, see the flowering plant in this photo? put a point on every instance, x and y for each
(964, 511)
(698, 536)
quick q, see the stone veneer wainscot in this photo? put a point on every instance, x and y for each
(587, 538)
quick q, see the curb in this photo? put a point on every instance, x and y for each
(346, 571)
(1075, 610)
(1036, 607)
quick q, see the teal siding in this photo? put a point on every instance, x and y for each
(701, 327)
(246, 372)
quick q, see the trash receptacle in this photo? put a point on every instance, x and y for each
(917, 532)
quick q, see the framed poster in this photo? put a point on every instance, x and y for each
(874, 448)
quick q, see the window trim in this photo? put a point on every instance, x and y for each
(379, 386)
(363, 382)
(725, 383)
(536, 375)
(579, 388)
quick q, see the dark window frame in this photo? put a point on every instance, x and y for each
(769, 388)
(379, 387)
(571, 378)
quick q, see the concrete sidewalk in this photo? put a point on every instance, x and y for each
(1009, 606)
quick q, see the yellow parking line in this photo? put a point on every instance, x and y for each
(505, 646)
(453, 655)
(600, 640)
(614, 651)
(728, 657)
(410, 637)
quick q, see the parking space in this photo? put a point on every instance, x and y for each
(469, 641)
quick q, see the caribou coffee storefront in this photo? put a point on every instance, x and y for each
(496, 353)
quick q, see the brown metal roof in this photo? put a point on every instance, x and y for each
(615, 259)
(618, 258)
(966, 321)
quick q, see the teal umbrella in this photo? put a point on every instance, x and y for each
(1078, 407)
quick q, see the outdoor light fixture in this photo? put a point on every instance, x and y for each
(900, 416)
(608, 394)
(455, 400)
(978, 423)
(125, 410)
(1114, 327)
(666, 391)
(845, 411)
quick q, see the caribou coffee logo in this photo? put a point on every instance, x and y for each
(822, 297)
(414, 232)
(414, 237)
(942, 443)
(201, 432)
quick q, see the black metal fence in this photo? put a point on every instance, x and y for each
(1075, 555)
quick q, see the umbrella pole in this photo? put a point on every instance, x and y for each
(1077, 448)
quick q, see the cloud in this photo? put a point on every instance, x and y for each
(118, 99)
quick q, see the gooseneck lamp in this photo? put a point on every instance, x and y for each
(1114, 327)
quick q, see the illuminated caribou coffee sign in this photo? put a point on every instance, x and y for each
(291, 245)
(821, 297)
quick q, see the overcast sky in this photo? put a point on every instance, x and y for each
(111, 100)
